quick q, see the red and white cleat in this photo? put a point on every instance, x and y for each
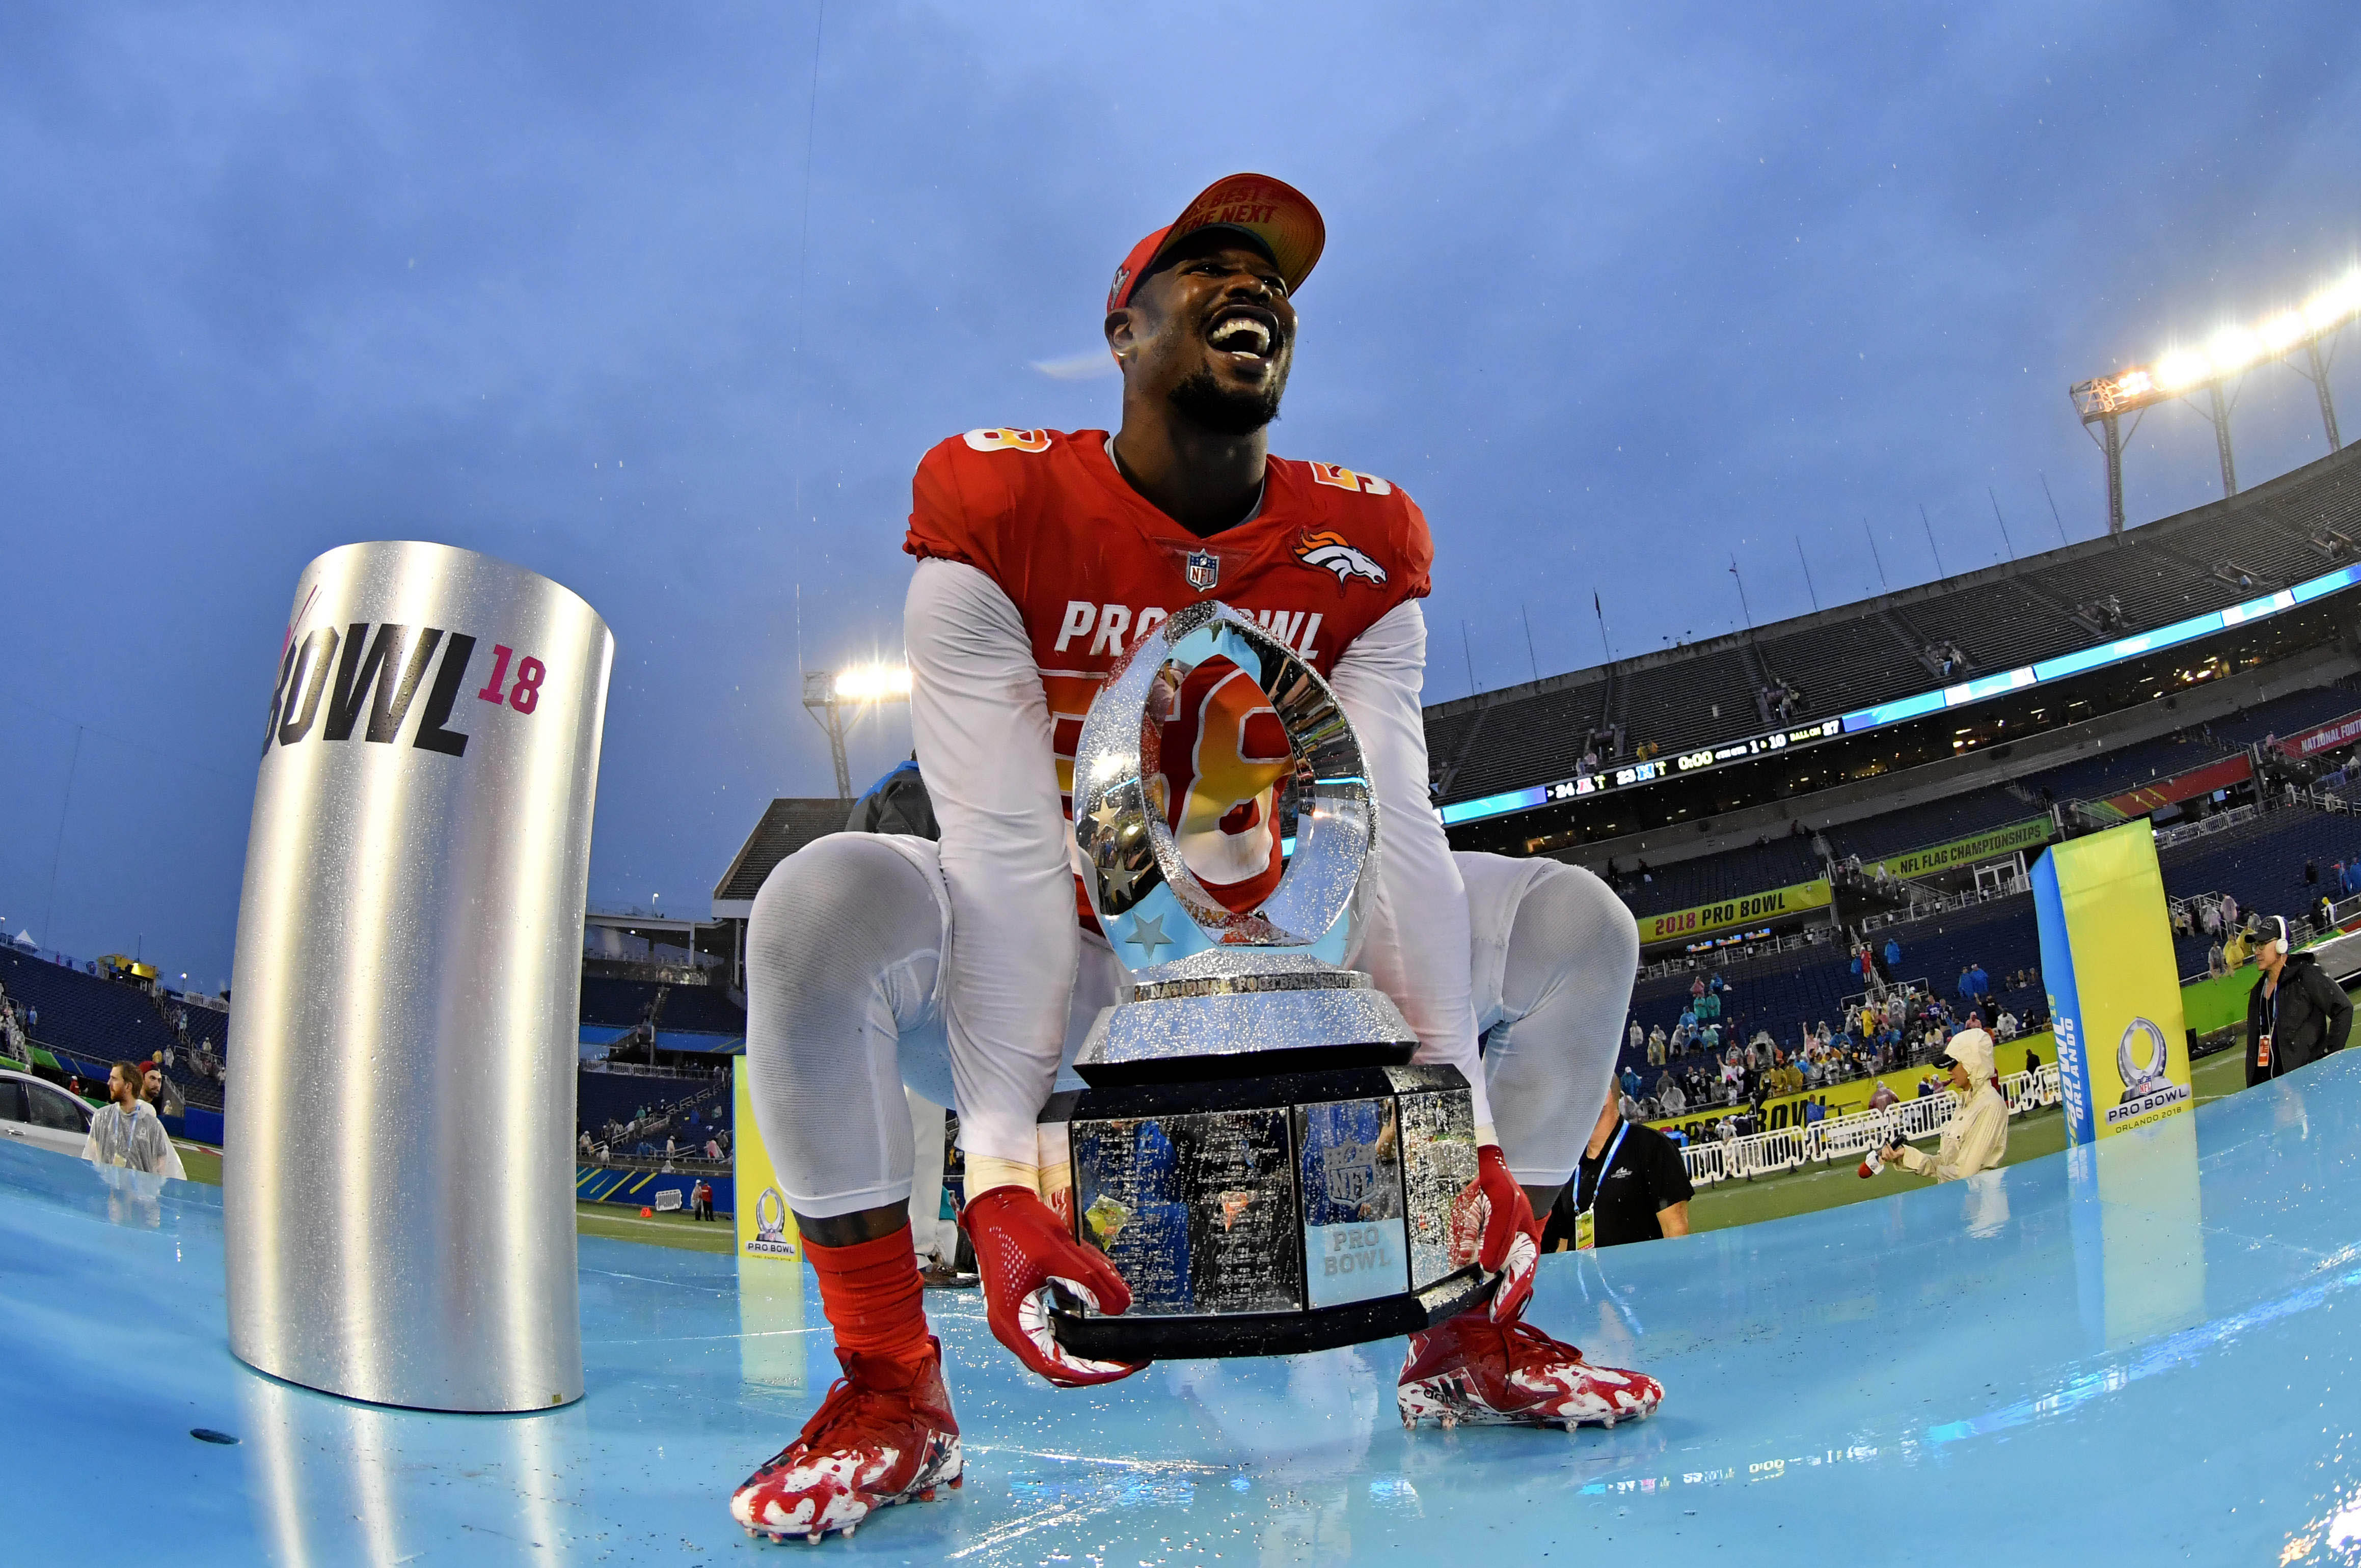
(884, 1435)
(1469, 1368)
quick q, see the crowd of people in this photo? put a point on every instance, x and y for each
(667, 1133)
(1709, 1060)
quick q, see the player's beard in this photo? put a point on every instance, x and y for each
(1204, 402)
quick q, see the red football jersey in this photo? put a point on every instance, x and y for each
(1091, 565)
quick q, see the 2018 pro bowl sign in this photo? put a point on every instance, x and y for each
(1775, 905)
(1965, 852)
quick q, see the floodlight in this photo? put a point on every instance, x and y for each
(2333, 305)
(2181, 368)
(2233, 349)
(874, 683)
(2282, 331)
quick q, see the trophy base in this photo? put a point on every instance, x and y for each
(1104, 1338)
(1266, 1216)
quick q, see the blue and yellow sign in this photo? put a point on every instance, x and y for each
(765, 1228)
(2114, 992)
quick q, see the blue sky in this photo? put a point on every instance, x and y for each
(637, 297)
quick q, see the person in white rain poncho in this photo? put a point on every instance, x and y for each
(127, 1133)
(1976, 1137)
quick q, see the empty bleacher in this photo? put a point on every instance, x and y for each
(1546, 740)
(2002, 618)
(2289, 715)
(617, 1004)
(1672, 703)
(1782, 862)
(96, 1021)
(702, 1009)
(1999, 625)
(1937, 822)
(1846, 666)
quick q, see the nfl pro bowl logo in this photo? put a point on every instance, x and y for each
(771, 1226)
(2142, 1057)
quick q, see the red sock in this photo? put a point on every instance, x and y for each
(873, 1296)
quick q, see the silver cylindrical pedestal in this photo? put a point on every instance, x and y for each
(398, 1154)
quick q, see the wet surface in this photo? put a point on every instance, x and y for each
(2136, 1356)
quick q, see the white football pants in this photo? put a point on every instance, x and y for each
(844, 956)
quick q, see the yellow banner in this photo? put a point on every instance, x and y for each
(1745, 910)
(1967, 851)
(2115, 990)
(765, 1228)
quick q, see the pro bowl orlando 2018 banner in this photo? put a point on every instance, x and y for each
(1776, 904)
(765, 1229)
(2114, 994)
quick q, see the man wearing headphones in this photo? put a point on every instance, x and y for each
(2295, 1012)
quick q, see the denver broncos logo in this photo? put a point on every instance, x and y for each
(1008, 440)
(1330, 553)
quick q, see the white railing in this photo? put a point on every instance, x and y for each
(643, 1069)
(1853, 1004)
(2327, 800)
(1784, 1150)
(1735, 953)
(2206, 826)
(1944, 903)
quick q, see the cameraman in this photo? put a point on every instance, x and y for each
(2295, 1013)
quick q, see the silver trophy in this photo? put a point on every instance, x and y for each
(1255, 1153)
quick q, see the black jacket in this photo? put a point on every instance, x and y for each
(2314, 1017)
(898, 803)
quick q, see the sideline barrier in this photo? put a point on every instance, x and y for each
(1783, 1149)
(637, 1189)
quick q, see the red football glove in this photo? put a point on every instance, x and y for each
(1021, 1249)
(1492, 1225)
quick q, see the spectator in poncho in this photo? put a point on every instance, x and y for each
(127, 1134)
(1976, 1137)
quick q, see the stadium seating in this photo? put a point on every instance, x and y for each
(1846, 666)
(2289, 715)
(1779, 863)
(702, 1009)
(94, 1020)
(2122, 768)
(1937, 822)
(1544, 740)
(617, 1003)
(2262, 867)
(2157, 574)
(1672, 704)
(679, 1107)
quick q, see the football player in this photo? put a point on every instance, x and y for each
(971, 968)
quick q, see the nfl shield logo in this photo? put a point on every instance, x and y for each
(1204, 569)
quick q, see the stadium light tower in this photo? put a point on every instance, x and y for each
(828, 692)
(2308, 330)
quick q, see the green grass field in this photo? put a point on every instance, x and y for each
(609, 1220)
(1716, 1207)
(1838, 1183)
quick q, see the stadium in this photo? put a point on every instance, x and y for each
(1968, 917)
(1774, 807)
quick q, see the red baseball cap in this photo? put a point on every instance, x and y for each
(1277, 215)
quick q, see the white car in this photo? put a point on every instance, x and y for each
(41, 1115)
